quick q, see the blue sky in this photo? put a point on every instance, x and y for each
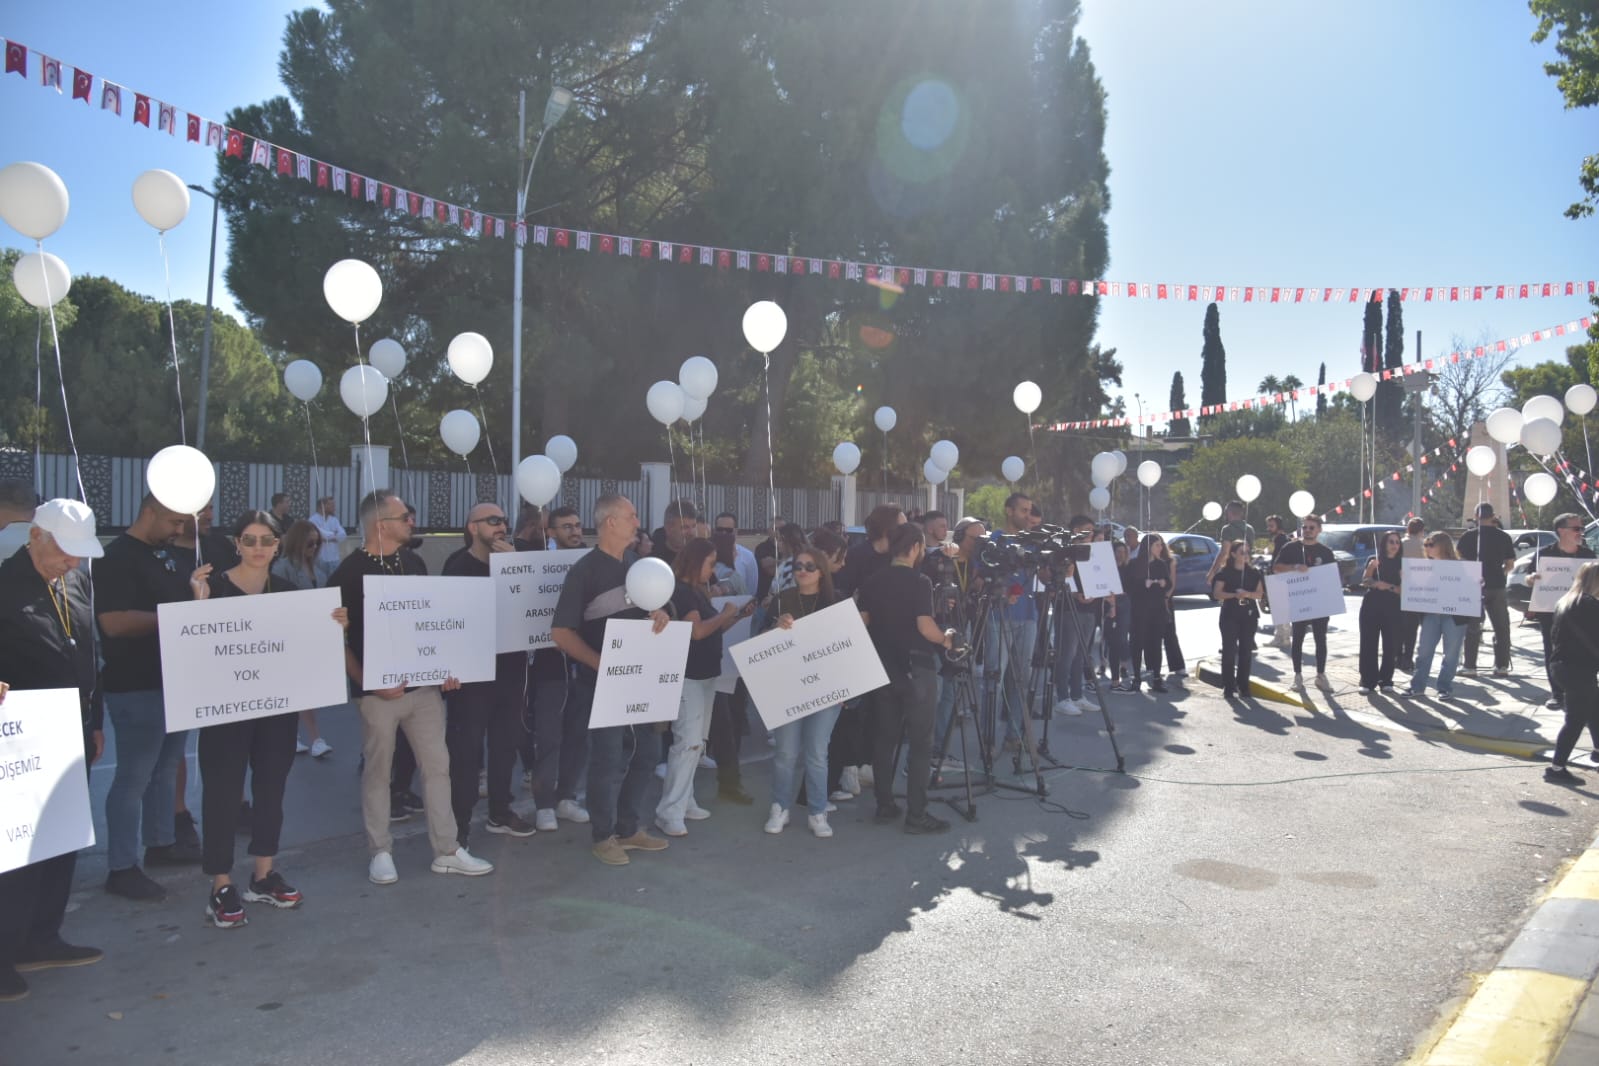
(1250, 143)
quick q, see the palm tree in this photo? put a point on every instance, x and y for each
(1269, 384)
(1289, 384)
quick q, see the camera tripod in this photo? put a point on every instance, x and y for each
(1055, 627)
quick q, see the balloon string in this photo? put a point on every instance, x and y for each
(172, 327)
(1571, 482)
(693, 480)
(488, 438)
(399, 430)
(705, 477)
(1032, 448)
(771, 454)
(311, 436)
(1586, 447)
(55, 341)
(198, 561)
(38, 405)
(366, 422)
(885, 466)
(671, 476)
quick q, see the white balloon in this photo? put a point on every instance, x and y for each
(562, 451)
(33, 199)
(665, 402)
(460, 431)
(885, 418)
(765, 325)
(1301, 503)
(41, 279)
(1099, 497)
(303, 379)
(1211, 511)
(1580, 398)
(1543, 407)
(388, 355)
(161, 198)
(1121, 462)
(1541, 437)
(697, 376)
(1504, 425)
(353, 289)
(1013, 468)
(693, 407)
(182, 478)
(1540, 488)
(1103, 468)
(846, 457)
(1248, 488)
(538, 479)
(1363, 386)
(1149, 473)
(945, 454)
(650, 583)
(470, 357)
(363, 390)
(1027, 396)
(1481, 460)
(934, 473)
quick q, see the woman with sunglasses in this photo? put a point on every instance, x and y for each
(297, 567)
(1436, 628)
(1239, 588)
(1380, 617)
(1152, 575)
(264, 746)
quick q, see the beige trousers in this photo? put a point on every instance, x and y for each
(420, 713)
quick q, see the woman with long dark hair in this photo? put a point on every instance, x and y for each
(1436, 628)
(812, 591)
(1239, 587)
(1381, 621)
(1152, 576)
(1574, 659)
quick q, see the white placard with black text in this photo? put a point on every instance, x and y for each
(1441, 586)
(236, 658)
(825, 659)
(1099, 574)
(1554, 581)
(733, 634)
(44, 791)
(426, 630)
(526, 586)
(1305, 596)
(641, 673)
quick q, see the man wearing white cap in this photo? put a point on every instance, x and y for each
(47, 642)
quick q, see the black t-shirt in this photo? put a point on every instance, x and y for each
(222, 586)
(1492, 547)
(350, 580)
(1574, 639)
(766, 549)
(860, 563)
(133, 576)
(35, 652)
(894, 598)
(1298, 553)
(595, 591)
(661, 550)
(705, 655)
(1235, 580)
(1144, 568)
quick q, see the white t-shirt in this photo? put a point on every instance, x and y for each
(332, 535)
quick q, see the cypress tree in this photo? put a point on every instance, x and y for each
(1180, 427)
(1391, 394)
(1321, 397)
(1212, 362)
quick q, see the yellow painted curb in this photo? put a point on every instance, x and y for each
(1521, 749)
(1516, 1018)
(1258, 689)
(1582, 880)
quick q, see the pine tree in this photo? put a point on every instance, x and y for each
(1212, 362)
(1321, 397)
(1180, 427)
(1391, 394)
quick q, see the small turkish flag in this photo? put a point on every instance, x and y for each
(685, 253)
(563, 238)
(796, 265)
(193, 133)
(16, 58)
(82, 82)
(141, 110)
(607, 243)
(285, 161)
(235, 144)
(323, 174)
(724, 259)
(646, 249)
(835, 269)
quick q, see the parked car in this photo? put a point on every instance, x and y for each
(1194, 555)
(1532, 538)
(1518, 593)
(1359, 543)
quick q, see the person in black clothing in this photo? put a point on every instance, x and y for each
(1239, 588)
(1568, 545)
(897, 604)
(560, 733)
(1152, 575)
(1491, 546)
(47, 642)
(849, 750)
(1575, 655)
(485, 709)
(1299, 556)
(677, 528)
(1381, 621)
(1277, 533)
(872, 554)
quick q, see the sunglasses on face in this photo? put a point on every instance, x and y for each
(493, 520)
(250, 540)
(806, 568)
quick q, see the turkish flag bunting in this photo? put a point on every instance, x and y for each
(285, 161)
(235, 144)
(193, 133)
(141, 110)
(607, 243)
(323, 174)
(82, 82)
(16, 58)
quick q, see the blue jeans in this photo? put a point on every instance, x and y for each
(1069, 662)
(1009, 674)
(1436, 627)
(807, 737)
(146, 779)
(621, 765)
(946, 706)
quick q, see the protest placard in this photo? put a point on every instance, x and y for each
(641, 673)
(1302, 596)
(526, 586)
(1554, 581)
(241, 657)
(1441, 586)
(44, 790)
(740, 630)
(825, 659)
(426, 630)
(1098, 572)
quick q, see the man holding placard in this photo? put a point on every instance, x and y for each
(1493, 548)
(1553, 569)
(47, 642)
(1298, 556)
(621, 758)
(560, 728)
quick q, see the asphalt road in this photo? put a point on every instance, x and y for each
(1265, 884)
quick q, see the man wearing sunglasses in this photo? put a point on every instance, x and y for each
(1568, 545)
(1491, 546)
(491, 709)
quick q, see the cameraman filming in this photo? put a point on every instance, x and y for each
(953, 577)
(1007, 663)
(897, 605)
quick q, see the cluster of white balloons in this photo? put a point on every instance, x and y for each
(941, 459)
(685, 398)
(34, 202)
(1104, 468)
(1536, 427)
(538, 477)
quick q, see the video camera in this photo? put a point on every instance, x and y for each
(1005, 553)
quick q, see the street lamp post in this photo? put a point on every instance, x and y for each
(1142, 492)
(205, 339)
(560, 100)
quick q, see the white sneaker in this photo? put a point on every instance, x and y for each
(1299, 682)
(777, 820)
(1323, 683)
(660, 770)
(849, 781)
(462, 862)
(569, 811)
(867, 778)
(843, 795)
(320, 747)
(1077, 707)
(831, 808)
(544, 820)
(671, 828)
(300, 746)
(381, 871)
(695, 812)
(1066, 706)
(707, 763)
(819, 826)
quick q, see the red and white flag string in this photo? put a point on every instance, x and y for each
(160, 116)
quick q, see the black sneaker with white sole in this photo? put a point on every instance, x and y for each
(224, 909)
(510, 824)
(274, 891)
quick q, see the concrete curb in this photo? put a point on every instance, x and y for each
(1259, 689)
(1522, 1012)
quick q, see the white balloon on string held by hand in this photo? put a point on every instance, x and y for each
(459, 431)
(161, 199)
(33, 199)
(42, 279)
(352, 289)
(363, 390)
(181, 478)
(562, 451)
(470, 356)
(538, 479)
(388, 355)
(303, 379)
(846, 457)
(650, 583)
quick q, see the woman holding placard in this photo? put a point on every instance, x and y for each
(1239, 588)
(1449, 629)
(1575, 660)
(1381, 621)
(691, 602)
(264, 746)
(1152, 576)
(811, 592)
